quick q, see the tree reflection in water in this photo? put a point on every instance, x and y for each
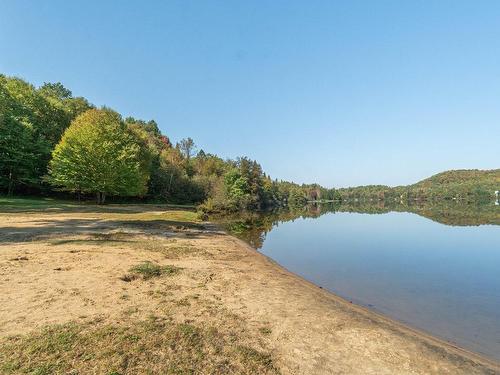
(252, 227)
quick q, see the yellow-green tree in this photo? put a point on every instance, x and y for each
(98, 154)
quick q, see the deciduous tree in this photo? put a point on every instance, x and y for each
(98, 154)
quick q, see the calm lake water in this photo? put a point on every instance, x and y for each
(441, 278)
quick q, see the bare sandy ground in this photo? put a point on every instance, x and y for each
(61, 267)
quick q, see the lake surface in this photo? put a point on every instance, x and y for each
(441, 278)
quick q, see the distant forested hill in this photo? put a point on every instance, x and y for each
(462, 178)
(467, 185)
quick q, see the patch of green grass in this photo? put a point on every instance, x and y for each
(47, 369)
(265, 331)
(20, 204)
(254, 358)
(149, 270)
(175, 214)
(56, 339)
(178, 218)
(153, 346)
(29, 202)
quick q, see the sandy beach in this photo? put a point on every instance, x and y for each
(74, 268)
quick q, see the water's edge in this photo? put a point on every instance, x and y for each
(378, 315)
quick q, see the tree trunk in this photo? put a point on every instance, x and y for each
(98, 198)
(103, 197)
(170, 183)
(11, 184)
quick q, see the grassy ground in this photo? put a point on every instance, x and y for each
(155, 346)
(36, 204)
(18, 203)
(154, 325)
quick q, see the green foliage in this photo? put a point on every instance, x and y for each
(17, 157)
(31, 123)
(101, 154)
(187, 147)
(150, 270)
(296, 198)
(173, 180)
(462, 185)
(237, 185)
(98, 154)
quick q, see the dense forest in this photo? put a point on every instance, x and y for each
(462, 185)
(52, 143)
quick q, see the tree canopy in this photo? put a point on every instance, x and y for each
(31, 123)
(99, 154)
(94, 151)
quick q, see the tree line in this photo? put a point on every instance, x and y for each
(53, 142)
(461, 185)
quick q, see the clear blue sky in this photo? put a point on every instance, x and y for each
(336, 92)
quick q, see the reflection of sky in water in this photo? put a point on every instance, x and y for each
(443, 279)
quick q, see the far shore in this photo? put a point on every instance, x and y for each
(69, 270)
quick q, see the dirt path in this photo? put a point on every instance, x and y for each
(65, 267)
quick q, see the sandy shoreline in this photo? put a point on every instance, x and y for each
(380, 318)
(68, 267)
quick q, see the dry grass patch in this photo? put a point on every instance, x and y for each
(170, 248)
(153, 346)
(92, 238)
